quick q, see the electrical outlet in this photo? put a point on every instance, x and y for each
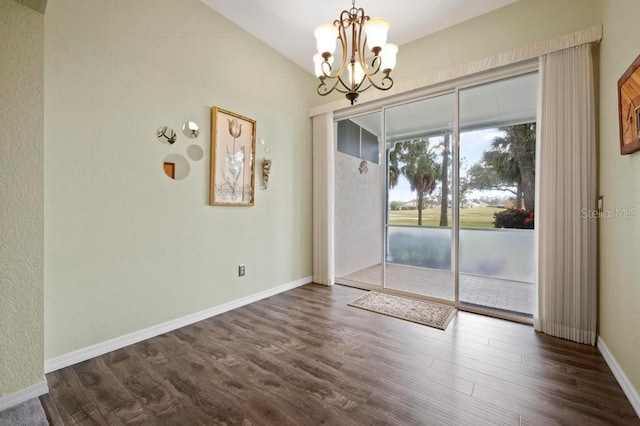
(241, 270)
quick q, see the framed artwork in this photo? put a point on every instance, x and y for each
(233, 151)
(629, 108)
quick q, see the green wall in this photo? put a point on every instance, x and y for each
(619, 291)
(516, 25)
(127, 248)
(21, 197)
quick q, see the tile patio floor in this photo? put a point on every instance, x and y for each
(511, 296)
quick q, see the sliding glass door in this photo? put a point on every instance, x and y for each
(435, 197)
(419, 251)
(496, 197)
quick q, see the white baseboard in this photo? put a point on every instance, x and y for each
(138, 336)
(629, 390)
(23, 395)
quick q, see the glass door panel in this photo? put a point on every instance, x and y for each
(497, 195)
(419, 251)
(359, 199)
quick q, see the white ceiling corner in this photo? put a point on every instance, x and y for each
(287, 25)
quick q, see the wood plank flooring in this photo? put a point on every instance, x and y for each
(305, 358)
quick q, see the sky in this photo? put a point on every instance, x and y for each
(472, 145)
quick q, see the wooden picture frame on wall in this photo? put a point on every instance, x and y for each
(233, 152)
(629, 109)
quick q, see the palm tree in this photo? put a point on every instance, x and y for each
(444, 178)
(418, 165)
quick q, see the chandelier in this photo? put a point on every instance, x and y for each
(361, 72)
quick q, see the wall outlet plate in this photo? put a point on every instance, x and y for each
(241, 270)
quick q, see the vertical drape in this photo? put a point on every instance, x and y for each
(323, 199)
(566, 305)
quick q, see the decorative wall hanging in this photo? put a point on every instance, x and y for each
(266, 171)
(176, 166)
(233, 149)
(195, 153)
(166, 135)
(363, 168)
(190, 129)
(266, 164)
(629, 108)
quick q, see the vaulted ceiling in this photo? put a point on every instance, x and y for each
(287, 25)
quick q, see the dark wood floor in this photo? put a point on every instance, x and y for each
(305, 358)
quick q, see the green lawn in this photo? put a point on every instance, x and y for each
(475, 217)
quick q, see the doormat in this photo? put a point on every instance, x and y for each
(426, 313)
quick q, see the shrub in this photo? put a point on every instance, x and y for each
(514, 218)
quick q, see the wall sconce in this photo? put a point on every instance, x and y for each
(266, 170)
(266, 164)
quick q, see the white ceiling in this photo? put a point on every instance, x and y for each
(287, 25)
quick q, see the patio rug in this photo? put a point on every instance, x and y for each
(418, 311)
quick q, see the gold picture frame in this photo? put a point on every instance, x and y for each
(233, 153)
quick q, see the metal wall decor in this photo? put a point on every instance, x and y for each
(266, 171)
(190, 129)
(266, 164)
(166, 135)
(176, 166)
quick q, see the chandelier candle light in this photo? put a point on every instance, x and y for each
(361, 70)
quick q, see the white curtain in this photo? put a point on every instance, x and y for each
(323, 199)
(566, 302)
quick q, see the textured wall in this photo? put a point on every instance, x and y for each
(21, 197)
(126, 247)
(358, 210)
(37, 5)
(619, 295)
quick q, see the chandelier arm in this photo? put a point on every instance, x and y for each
(381, 86)
(345, 19)
(359, 46)
(375, 66)
(360, 85)
(326, 69)
(325, 92)
(347, 89)
(320, 86)
(334, 85)
(326, 66)
(376, 63)
(342, 35)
